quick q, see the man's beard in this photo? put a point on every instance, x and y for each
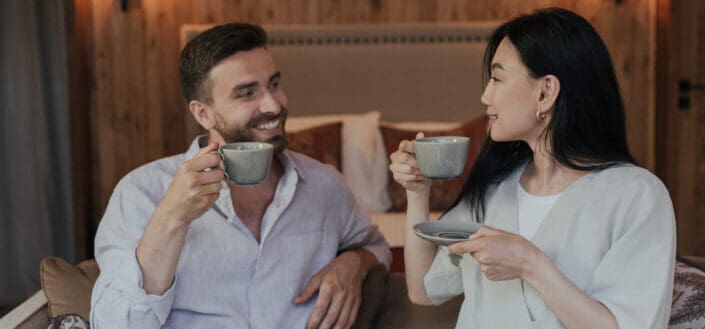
(232, 134)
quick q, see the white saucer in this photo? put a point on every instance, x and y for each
(445, 233)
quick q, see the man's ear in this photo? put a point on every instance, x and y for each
(550, 88)
(202, 113)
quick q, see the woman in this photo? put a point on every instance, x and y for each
(574, 234)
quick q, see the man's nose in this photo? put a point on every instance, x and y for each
(270, 104)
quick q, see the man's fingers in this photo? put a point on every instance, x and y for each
(344, 317)
(201, 162)
(211, 188)
(212, 146)
(308, 291)
(334, 310)
(211, 176)
(353, 314)
(319, 310)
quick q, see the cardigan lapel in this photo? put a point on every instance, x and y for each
(554, 227)
(504, 299)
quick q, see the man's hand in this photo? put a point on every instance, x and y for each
(194, 189)
(339, 287)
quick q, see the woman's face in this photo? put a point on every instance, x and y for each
(512, 98)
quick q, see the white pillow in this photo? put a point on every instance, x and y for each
(364, 158)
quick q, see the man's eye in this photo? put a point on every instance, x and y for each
(494, 79)
(274, 84)
(246, 94)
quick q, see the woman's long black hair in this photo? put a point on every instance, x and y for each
(586, 129)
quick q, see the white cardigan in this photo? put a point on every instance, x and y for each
(612, 233)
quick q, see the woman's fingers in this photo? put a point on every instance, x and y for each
(404, 157)
(404, 168)
(408, 178)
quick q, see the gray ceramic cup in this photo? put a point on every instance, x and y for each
(246, 163)
(442, 157)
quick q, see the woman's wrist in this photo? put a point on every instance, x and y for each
(418, 196)
(537, 266)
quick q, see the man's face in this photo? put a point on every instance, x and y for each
(248, 103)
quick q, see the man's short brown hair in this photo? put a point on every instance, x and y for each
(210, 47)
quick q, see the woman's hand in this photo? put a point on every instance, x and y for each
(405, 169)
(501, 255)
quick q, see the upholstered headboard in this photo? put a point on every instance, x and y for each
(415, 72)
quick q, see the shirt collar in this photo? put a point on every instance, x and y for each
(285, 157)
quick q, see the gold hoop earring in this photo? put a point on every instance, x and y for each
(540, 115)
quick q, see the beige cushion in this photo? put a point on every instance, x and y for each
(67, 287)
(364, 159)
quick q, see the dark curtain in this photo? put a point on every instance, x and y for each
(35, 158)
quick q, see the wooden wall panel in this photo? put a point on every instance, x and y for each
(138, 114)
(681, 133)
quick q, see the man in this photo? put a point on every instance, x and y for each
(181, 247)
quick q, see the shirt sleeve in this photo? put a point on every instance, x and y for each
(118, 299)
(444, 279)
(357, 230)
(634, 280)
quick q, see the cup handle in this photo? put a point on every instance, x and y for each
(222, 159)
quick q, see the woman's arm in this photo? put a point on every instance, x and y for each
(571, 305)
(506, 256)
(418, 254)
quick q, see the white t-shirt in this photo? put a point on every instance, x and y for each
(531, 210)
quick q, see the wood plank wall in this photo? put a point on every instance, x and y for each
(681, 131)
(138, 115)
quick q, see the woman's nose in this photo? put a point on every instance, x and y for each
(485, 98)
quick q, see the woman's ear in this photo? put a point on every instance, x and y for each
(550, 88)
(202, 113)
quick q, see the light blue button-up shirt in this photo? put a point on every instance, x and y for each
(224, 277)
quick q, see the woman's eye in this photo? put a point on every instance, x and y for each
(494, 79)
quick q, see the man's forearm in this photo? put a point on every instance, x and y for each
(365, 260)
(158, 252)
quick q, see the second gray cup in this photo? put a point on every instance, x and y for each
(246, 163)
(442, 157)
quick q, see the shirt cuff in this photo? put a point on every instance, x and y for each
(159, 304)
(382, 253)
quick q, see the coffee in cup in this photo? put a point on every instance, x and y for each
(246, 163)
(442, 157)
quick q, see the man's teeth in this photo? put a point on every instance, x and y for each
(268, 125)
(492, 116)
